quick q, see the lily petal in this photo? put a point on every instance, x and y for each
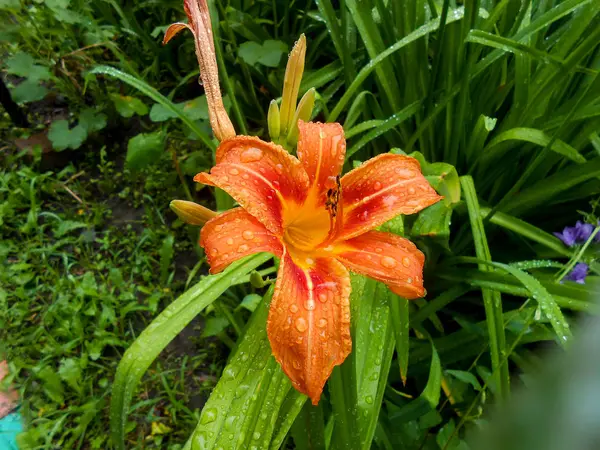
(385, 257)
(233, 235)
(262, 177)
(309, 322)
(321, 150)
(381, 189)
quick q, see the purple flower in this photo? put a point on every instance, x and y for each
(578, 273)
(578, 234)
(583, 231)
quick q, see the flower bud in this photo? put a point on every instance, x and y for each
(291, 84)
(191, 213)
(273, 119)
(304, 112)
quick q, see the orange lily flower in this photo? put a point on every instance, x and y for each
(320, 226)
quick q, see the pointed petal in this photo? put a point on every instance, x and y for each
(262, 177)
(385, 257)
(309, 322)
(321, 150)
(382, 188)
(233, 235)
(173, 30)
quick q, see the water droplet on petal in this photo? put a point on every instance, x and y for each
(234, 171)
(252, 154)
(301, 324)
(230, 241)
(293, 308)
(322, 297)
(218, 227)
(388, 262)
(214, 251)
(411, 190)
(296, 364)
(322, 323)
(243, 248)
(248, 235)
(409, 280)
(279, 168)
(309, 305)
(377, 185)
(406, 262)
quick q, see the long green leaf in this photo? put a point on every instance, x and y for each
(252, 396)
(539, 293)
(401, 326)
(376, 61)
(377, 348)
(491, 298)
(429, 398)
(538, 137)
(543, 191)
(385, 126)
(140, 355)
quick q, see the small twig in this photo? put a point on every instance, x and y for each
(77, 175)
(82, 49)
(73, 194)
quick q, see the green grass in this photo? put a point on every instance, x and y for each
(80, 280)
(501, 100)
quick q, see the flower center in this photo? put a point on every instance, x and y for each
(305, 228)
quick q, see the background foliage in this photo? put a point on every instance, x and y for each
(499, 100)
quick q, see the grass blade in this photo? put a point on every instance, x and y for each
(401, 326)
(491, 298)
(494, 149)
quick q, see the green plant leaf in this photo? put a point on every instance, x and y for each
(429, 398)
(491, 298)
(399, 312)
(442, 177)
(67, 226)
(434, 222)
(308, 429)
(214, 326)
(494, 149)
(127, 106)
(10, 4)
(92, 120)
(163, 330)
(250, 302)
(268, 54)
(166, 257)
(145, 149)
(28, 91)
(63, 137)
(24, 65)
(70, 372)
(253, 402)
